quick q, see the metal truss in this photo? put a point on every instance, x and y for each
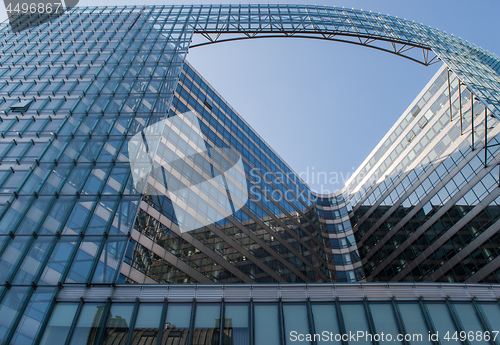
(422, 55)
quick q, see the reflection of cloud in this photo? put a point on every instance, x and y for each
(171, 158)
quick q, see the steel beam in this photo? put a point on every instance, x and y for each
(449, 94)
(472, 116)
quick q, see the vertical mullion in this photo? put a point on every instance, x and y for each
(221, 323)
(399, 319)
(460, 105)
(340, 317)
(456, 319)
(484, 320)
(472, 116)
(191, 324)
(75, 320)
(428, 319)
(101, 330)
(485, 136)
(312, 329)
(369, 317)
(162, 321)
(135, 311)
(449, 93)
(252, 321)
(281, 322)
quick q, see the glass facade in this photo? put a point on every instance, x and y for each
(427, 210)
(271, 314)
(121, 165)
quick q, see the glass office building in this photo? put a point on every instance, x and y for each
(126, 181)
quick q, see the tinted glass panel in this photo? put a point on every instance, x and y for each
(59, 324)
(207, 324)
(177, 323)
(414, 322)
(296, 324)
(118, 324)
(355, 320)
(88, 324)
(470, 322)
(326, 320)
(147, 323)
(385, 322)
(441, 318)
(236, 325)
(266, 324)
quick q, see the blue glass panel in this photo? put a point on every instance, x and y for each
(385, 322)
(109, 261)
(83, 260)
(118, 324)
(355, 320)
(441, 318)
(9, 308)
(492, 313)
(33, 260)
(296, 324)
(177, 322)
(10, 256)
(33, 316)
(236, 325)
(59, 324)
(471, 322)
(87, 325)
(58, 260)
(413, 319)
(147, 324)
(267, 328)
(207, 324)
(326, 320)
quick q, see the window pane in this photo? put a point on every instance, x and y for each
(296, 323)
(385, 321)
(236, 326)
(325, 319)
(109, 260)
(267, 329)
(470, 320)
(9, 258)
(9, 307)
(59, 324)
(355, 320)
(83, 260)
(177, 323)
(88, 324)
(147, 323)
(33, 316)
(414, 321)
(492, 312)
(32, 261)
(118, 324)
(206, 324)
(441, 318)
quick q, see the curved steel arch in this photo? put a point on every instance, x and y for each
(391, 47)
(478, 69)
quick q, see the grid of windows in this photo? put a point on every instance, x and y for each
(75, 89)
(266, 320)
(407, 223)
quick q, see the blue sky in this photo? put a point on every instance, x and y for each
(323, 106)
